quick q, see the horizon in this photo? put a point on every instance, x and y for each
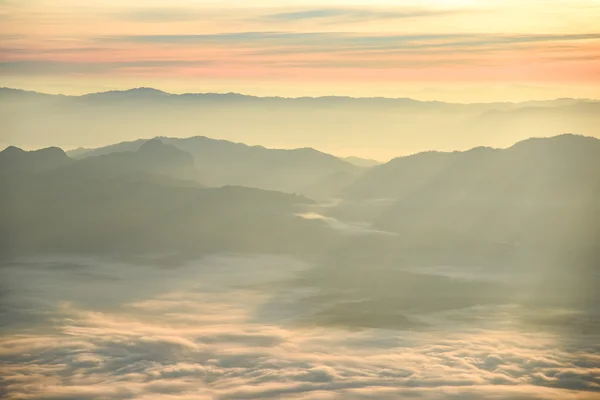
(332, 96)
(332, 124)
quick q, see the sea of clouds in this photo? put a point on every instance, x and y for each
(234, 327)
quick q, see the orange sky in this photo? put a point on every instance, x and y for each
(461, 50)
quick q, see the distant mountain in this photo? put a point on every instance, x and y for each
(128, 94)
(539, 194)
(305, 171)
(381, 127)
(362, 162)
(81, 152)
(404, 176)
(152, 157)
(15, 159)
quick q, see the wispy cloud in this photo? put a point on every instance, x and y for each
(353, 39)
(34, 67)
(272, 39)
(355, 14)
(162, 14)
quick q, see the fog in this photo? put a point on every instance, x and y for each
(241, 327)
(163, 266)
(375, 128)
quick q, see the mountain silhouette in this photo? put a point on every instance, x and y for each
(15, 159)
(83, 211)
(361, 162)
(153, 158)
(538, 199)
(541, 194)
(374, 127)
(220, 162)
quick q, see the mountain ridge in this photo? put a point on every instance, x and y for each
(149, 91)
(372, 128)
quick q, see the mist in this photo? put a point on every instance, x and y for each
(202, 268)
(300, 200)
(373, 128)
(263, 326)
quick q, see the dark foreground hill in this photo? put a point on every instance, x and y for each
(128, 203)
(539, 199)
(13, 159)
(48, 214)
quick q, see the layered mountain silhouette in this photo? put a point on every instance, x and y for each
(305, 171)
(13, 159)
(537, 200)
(540, 195)
(80, 209)
(362, 162)
(366, 127)
(152, 157)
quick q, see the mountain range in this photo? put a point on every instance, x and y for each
(378, 128)
(537, 194)
(537, 198)
(128, 203)
(218, 162)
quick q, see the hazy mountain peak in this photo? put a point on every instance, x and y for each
(156, 148)
(361, 162)
(135, 92)
(543, 156)
(15, 158)
(13, 150)
(47, 151)
(560, 143)
(151, 144)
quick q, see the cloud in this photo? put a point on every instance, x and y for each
(194, 332)
(353, 39)
(284, 52)
(162, 14)
(356, 228)
(354, 14)
(35, 67)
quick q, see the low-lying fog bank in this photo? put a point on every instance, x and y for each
(236, 326)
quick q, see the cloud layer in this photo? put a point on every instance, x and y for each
(230, 328)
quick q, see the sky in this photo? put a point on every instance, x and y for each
(451, 50)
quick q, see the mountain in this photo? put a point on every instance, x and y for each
(539, 195)
(534, 203)
(81, 152)
(76, 210)
(152, 157)
(366, 127)
(219, 162)
(15, 159)
(137, 93)
(545, 157)
(361, 162)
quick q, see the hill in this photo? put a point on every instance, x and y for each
(75, 211)
(378, 128)
(220, 162)
(540, 195)
(152, 157)
(13, 159)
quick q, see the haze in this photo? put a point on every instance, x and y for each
(300, 200)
